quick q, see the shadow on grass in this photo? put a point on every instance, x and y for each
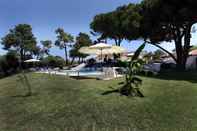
(190, 76)
(25, 95)
(81, 77)
(111, 91)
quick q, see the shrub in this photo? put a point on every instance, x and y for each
(122, 64)
(53, 61)
(9, 64)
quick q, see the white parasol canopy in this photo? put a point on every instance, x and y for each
(114, 50)
(31, 61)
(100, 46)
(87, 50)
(102, 49)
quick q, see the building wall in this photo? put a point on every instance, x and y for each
(191, 63)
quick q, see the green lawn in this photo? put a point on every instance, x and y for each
(61, 104)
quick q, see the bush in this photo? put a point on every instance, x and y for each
(9, 64)
(122, 64)
(53, 61)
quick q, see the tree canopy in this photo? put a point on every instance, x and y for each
(63, 39)
(47, 44)
(119, 24)
(154, 21)
(174, 21)
(21, 39)
(82, 40)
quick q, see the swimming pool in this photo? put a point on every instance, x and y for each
(82, 73)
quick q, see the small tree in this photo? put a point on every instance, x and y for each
(130, 87)
(100, 26)
(63, 39)
(53, 61)
(46, 45)
(20, 39)
(12, 60)
(132, 82)
(82, 40)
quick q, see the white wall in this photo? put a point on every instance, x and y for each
(191, 62)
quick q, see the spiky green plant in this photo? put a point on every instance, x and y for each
(131, 85)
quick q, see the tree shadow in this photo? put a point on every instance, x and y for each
(81, 77)
(110, 92)
(113, 90)
(24, 95)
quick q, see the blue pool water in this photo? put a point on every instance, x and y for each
(83, 73)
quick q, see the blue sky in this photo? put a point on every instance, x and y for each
(47, 15)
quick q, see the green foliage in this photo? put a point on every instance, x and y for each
(82, 40)
(46, 45)
(12, 58)
(53, 61)
(132, 82)
(154, 21)
(193, 48)
(174, 21)
(9, 63)
(3, 66)
(63, 39)
(122, 64)
(123, 23)
(20, 39)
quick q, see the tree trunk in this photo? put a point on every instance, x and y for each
(79, 60)
(183, 51)
(22, 55)
(118, 41)
(181, 62)
(187, 40)
(82, 60)
(22, 58)
(72, 60)
(66, 55)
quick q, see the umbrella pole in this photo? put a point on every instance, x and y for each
(102, 59)
(101, 56)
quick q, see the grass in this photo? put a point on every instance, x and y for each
(61, 104)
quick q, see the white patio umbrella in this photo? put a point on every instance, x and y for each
(87, 50)
(31, 61)
(106, 51)
(114, 50)
(101, 47)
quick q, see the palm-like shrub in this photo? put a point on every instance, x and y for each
(131, 85)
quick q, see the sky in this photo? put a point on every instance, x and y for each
(47, 15)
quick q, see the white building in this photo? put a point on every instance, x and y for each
(192, 60)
